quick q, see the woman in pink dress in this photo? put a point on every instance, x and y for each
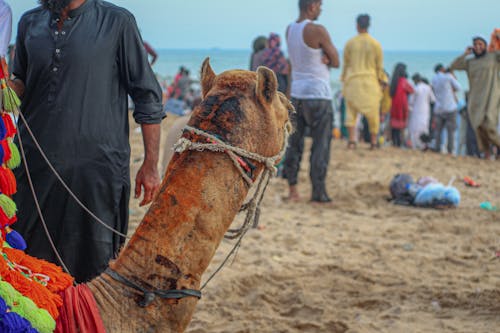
(400, 89)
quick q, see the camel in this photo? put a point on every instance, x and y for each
(200, 195)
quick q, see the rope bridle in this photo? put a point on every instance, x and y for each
(252, 207)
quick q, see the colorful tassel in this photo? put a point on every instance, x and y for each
(40, 319)
(3, 129)
(40, 295)
(58, 280)
(5, 220)
(15, 158)
(8, 184)
(8, 206)
(6, 151)
(10, 128)
(15, 240)
(12, 322)
(10, 100)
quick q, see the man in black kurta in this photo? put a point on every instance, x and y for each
(76, 67)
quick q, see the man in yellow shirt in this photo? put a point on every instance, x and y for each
(362, 76)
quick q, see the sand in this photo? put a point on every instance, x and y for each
(364, 265)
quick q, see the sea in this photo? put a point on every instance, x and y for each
(422, 62)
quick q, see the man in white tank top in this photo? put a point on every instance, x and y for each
(312, 53)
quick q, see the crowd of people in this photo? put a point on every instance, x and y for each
(423, 114)
(380, 108)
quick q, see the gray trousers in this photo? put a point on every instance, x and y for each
(317, 115)
(446, 120)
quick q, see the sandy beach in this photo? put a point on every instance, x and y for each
(364, 265)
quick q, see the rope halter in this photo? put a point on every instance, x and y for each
(236, 154)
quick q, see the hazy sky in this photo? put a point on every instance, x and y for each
(233, 24)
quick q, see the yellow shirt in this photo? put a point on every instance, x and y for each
(362, 72)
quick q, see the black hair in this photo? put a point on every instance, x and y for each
(399, 72)
(55, 6)
(363, 21)
(304, 4)
(438, 68)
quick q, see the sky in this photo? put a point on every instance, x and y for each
(400, 25)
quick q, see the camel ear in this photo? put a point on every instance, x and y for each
(267, 85)
(207, 77)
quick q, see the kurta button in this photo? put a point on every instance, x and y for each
(63, 32)
(58, 51)
(54, 69)
(57, 32)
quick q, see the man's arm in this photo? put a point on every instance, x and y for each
(327, 46)
(136, 74)
(460, 63)
(346, 63)
(147, 176)
(6, 31)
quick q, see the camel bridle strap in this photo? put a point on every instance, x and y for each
(150, 295)
(237, 156)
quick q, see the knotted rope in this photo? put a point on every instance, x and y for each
(252, 207)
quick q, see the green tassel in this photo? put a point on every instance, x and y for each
(10, 100)
(15, 158)
(40, 319)
(8, 206)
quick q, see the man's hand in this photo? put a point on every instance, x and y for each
(469, 50)
(148, 179)
(18, 86)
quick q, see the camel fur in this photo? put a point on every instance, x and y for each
(200, 195)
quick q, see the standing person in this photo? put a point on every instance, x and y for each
(258, 46)
(83, 127)
(5, 27)
(362, 75)
(445, 111)
(484, 95)
(274, 59)
(312, 53)
(420, 113)
(400, 89)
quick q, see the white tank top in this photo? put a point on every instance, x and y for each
(310, 77)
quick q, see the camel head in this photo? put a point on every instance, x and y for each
(244, 109)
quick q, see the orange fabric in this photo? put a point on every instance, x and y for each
(495, 41)
(79, 312)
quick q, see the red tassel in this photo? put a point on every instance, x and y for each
(8, 184)
(6, 149)
(9, 125)
(4, 219)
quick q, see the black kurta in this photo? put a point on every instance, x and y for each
(77, 80)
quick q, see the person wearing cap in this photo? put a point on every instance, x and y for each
(362, 76)
(482, 69)
(445, 86)
(420, 111)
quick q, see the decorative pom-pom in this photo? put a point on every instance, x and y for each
(3, 129)
(39, 318)
(8, 206)
(10, 100)
(15, 157)
(8, 184)
(6, 150)
(3, 307)
(15, 239)
(9, 125)
(12, 322)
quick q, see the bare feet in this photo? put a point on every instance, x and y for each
(293, 194)
(351, 145)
